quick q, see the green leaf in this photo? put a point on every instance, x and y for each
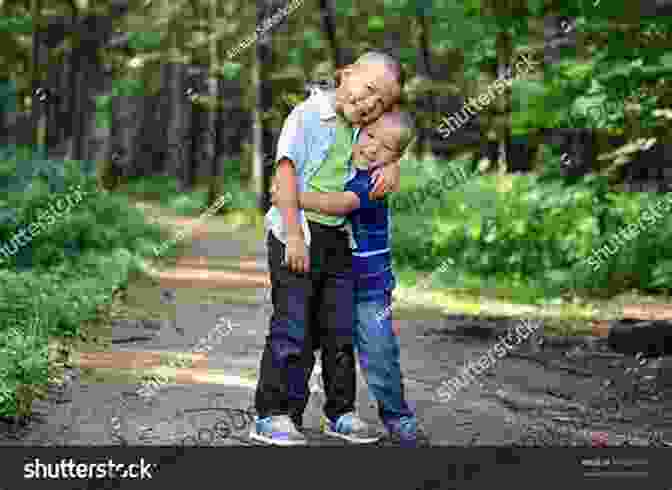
(313, 39)
(16, 25)
(231, 71)
(666, 60)
(144, 41)
(376, 23)
(535, 7)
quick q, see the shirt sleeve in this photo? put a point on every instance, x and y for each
(292, 142)
(361, 187)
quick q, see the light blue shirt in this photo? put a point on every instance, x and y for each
(307, 134)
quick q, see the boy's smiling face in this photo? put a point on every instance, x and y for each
(366, 91)
(378, 144)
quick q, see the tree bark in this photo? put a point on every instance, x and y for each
(263, 137)
(40, 55)
(175, 117)
(424, 71)
(328, 13)
(217, 116)
(504, 54)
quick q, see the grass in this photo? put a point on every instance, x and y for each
(573, 317)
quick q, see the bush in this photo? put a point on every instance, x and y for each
(23, 368)
(164, 189)
(533, 230)
(64, 271)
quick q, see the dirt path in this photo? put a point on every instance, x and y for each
(539, 395)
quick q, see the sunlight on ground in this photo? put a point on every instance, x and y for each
(569, 317)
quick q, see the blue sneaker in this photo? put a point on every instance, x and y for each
(406, 432)
(350, 428)
(277, 430)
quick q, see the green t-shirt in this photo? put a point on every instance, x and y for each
(333, 172)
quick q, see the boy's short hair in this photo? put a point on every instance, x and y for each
(390, 62)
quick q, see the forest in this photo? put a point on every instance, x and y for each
(107, 103)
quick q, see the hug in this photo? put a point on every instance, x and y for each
(328, 239)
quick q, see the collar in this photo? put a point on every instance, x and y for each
(325, 102)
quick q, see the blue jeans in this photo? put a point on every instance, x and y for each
(378, 350)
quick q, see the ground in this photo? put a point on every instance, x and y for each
(546, 392)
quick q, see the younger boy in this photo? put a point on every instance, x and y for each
(381, 143)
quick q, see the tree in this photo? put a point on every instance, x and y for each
(262, 135)
(328, 14)
(40, 56)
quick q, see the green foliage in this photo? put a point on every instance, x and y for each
(65, 272)
(23, 363)
(145, 41)
(376, 23)
(165, 190)
(16, 25)
(538, 232)
(231, 71)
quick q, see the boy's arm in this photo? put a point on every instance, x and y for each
(291, 158)
(296, 252)
(332, 203)
(287, 198)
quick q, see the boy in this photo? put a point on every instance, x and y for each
(381, 143)
(313, 153)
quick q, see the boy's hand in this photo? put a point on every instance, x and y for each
(296, 253)
(385, 179)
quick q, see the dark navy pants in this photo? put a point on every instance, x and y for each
(316, 308)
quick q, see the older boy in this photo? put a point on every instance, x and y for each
(314, 139)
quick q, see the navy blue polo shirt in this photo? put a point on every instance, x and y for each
(371, 226)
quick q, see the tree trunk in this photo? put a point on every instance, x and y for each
(95, 84)
(175, 117)
(55, 91)
(40, 58)
(504, 53)
(424, 71)
(129, 120)
(79, 65)
(111, 169)
(263, 138)
(101, 131)
(328, 12)
(175, 106)
(194, 144)
(216, 119)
